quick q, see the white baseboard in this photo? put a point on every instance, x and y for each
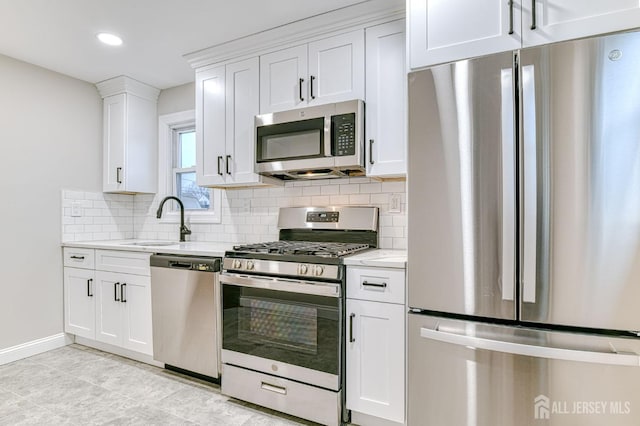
(35, 347)
(105, 347)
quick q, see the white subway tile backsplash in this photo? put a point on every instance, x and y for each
(248, 215)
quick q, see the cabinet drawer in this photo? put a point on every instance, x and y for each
(376, 284)
(308, 402)
(123, 261)
(78, 257)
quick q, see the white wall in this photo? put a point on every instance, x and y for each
(51, 131)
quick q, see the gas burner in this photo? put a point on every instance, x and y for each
(308, 248)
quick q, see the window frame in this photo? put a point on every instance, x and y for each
(167, 125)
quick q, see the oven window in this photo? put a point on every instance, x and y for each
(290, 141)
(298, 329)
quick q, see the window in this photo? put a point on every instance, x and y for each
(192, 196)
(177, 171)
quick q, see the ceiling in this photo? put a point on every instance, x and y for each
(60, 34)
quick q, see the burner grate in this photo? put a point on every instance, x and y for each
(303, 248)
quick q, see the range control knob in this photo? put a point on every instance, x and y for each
(250, 265)
(236, 264)
(319, 270)
(303, 269)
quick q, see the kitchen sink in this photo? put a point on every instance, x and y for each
(151, 243)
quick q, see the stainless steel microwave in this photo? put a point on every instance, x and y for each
(317, 142)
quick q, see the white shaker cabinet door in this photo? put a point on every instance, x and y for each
(283, 79)
(210, 126)
(446, 31)
(136, 304)
(548, 21)
(114, 139)
(242, 105)
(386, 96)
(375, 359)
(79, 302)
(336, 68)
(109, 307)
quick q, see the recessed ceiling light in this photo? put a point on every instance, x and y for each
(110, 39)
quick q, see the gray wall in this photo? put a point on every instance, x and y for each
(51, 136)
(177, 99)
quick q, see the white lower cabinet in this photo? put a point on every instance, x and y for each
(123, 311)
(79, 302)
(375, 344)
(110, 304)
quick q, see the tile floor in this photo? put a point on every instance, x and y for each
(77, 385)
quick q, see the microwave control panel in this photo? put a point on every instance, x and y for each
(343, 129)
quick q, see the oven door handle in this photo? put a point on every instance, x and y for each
(294, 286)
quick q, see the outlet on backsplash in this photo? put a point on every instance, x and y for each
(395, 203)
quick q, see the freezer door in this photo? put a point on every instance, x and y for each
(468, 373)
(580, 174)
(462, 188)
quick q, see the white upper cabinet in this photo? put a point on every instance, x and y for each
(227, 100)
(242, 105)
(445, 31)
(336, 68)
(323, 71)
(129, 136)
(283, 78)
(557, 20)
(210, 126)
(386, 96)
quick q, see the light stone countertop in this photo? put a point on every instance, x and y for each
(381, 258)
(189, 248)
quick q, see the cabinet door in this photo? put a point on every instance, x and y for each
(210, 126)
(445, 31)
(109, 307)
(336, 68)
(79, 305)
(375, 359)
(283, 79)
(386, 98)
(242, 105)
(557, 20)
(114, 122)
(136, 303)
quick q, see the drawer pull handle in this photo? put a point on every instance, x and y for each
(378, 285)
(123, 293)
(273, 388)
(89, 291)
(115, 291)
(77, 257)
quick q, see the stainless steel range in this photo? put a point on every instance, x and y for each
(283, 311)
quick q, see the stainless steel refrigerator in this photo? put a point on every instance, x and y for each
(524, 244)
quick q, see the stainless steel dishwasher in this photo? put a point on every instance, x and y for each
(185, 301)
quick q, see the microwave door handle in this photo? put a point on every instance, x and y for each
(327, 136)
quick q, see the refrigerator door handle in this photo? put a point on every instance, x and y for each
(508, 185)
(530, 184)
(608, 358)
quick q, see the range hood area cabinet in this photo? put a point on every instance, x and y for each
(227, 101)
(324, 71)
(441, 32)
(129, 136)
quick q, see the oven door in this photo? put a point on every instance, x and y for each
(288, 328)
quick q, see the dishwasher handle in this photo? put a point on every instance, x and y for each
(180, 265)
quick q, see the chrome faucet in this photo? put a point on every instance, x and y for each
(183, 228)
